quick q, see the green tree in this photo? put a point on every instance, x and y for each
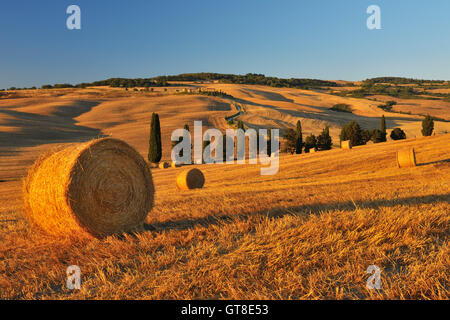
(383, 129)
(299, 138)
(398, 134)
(324, 141)
(310, 142)
(352, 131)
(427, 126)
(240, 125)
(290, 137)
(377, 136)
(366, 135)
(155, 149)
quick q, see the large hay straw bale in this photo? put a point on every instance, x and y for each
(97, 188)
(406, 158)
(190, 179)
(347, 144)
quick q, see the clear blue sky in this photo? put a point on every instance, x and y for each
(324, 39)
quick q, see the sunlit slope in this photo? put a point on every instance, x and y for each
(78, 115)
(64, 115)
(309, 231)
(129, 118)
(282, 107)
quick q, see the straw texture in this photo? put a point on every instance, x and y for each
(190, 179)
(97, 188)
(406, 158)
(347, 144)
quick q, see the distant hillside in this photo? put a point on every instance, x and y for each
(159, 81)
(381, 85)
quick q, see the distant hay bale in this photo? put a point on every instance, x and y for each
(163, 165)
(406, 158)
(97, 188)
(190, 179)
(347, 144)
(175, 164)
(312, 150)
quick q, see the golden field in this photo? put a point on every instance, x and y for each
(308, 232)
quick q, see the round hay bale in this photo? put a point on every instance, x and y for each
(190, 179)
(163, 165)
(96, 188)
(312, 150)
(406, 158)
(174, 164)
(347, 144)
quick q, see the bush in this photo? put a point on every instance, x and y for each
(366, 135)
(377, 136)
(342, 107)
(352, 131)
(398, 134)
(427, 126)
(310, 142)
(388, 105)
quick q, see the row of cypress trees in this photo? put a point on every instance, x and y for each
(353, 132)
(295, 143)
(294, 138)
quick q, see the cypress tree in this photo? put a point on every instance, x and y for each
(383, 129)
(299, 138)
(290, 137)
(154, 148)
(324, 141)
(427, 126)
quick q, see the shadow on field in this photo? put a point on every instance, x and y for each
(434, 162)
(296, 210)
(35, 129)
(325, 114)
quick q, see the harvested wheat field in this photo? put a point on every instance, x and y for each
(308, 232)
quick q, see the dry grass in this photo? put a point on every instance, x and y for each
(309, 232)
